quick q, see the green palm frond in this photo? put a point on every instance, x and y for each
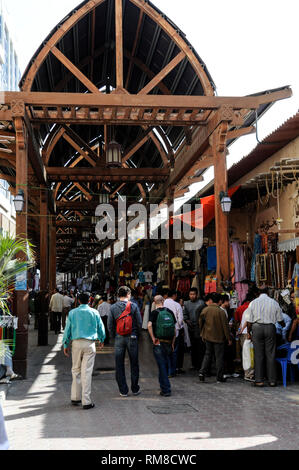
(11, 265)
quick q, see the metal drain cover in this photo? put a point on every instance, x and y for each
(172, 409)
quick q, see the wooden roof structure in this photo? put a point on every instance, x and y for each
(115, 69)
(112, 69)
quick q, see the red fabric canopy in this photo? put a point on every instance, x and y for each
(200, 218)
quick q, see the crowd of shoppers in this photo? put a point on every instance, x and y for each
(219, 339)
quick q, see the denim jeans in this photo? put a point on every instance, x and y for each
(123, 343)
(176, 359)
(162, 354)
(172, 359)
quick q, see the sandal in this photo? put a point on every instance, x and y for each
(258, 384)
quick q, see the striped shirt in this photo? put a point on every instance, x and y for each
(264, 310)
(177, 310)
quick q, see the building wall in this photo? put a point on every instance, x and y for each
(7, 212)
(288, 201)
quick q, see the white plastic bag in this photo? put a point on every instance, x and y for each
(247, 354)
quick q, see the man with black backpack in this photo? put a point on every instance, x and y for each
(124, 323)
(161, 327)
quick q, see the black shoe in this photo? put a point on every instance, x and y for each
(201, 378)
(219, 381)
(165, 394)
(76, 403)
(88, 407)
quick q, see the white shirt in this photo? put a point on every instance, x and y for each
(244, 320)
(68, 301)
(104, 309)
(224, 311)
(177, 310)
(56, 303)
(264, 310)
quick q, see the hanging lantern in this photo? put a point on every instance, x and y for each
(94, 220)
(85, 234)
(19, 201)
(226, 202)
(104, 198)
(114, 155)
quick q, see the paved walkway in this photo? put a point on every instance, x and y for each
(198, 416)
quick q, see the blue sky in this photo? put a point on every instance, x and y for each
(247, 46)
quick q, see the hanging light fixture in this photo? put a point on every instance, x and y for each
(225, 201)
(19, 201)
(104, 198)
(114, 155)
(85, 234)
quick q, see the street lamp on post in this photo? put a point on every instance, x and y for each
(19, 201)
(226, 202)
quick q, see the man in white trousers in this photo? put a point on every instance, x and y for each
(83, 328)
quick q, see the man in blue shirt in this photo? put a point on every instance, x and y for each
(84, 327)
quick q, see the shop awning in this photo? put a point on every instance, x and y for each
(200, 218)
(288, 245)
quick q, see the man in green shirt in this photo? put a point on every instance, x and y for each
(84, 327)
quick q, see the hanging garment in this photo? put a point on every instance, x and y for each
(239, 262)
(242, 290)
(177, 263)
(141, 277)
(212, 258)
(197, 261)
(210, 284)
(148, 275)
(195, 283)
(256, 250)
(234, 300)
(183, 285)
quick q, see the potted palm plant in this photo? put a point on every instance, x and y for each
(11, 266)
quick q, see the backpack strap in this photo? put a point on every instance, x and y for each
(126, 312)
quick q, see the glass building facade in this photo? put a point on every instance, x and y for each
(9, 64)
(10, 76)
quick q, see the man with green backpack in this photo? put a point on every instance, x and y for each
(161, 327)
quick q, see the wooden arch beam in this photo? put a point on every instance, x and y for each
(92, 5)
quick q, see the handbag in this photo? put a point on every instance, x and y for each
(248, 355)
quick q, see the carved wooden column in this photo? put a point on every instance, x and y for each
(126, 247)
(102, 270)
(171, 241)
(52, 260)
(44, 269)
(218, 144)
(112, 263)
(44, 234)
(21, 296)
